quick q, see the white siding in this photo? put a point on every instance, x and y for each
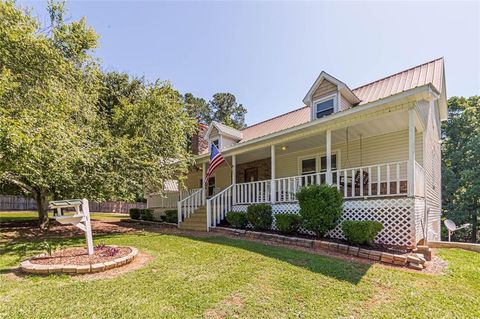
(344, 104)
(325, 88)
(391, 147)
(432, 165)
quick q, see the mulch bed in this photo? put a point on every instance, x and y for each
(79, 256)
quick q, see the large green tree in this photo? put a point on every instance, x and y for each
(461, 162)
(222, 108)
(58, 138)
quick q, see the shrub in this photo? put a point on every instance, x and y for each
(320, 208)
(361, 232)
(134, 213)
(237, 219)
(171, 216)
(260, 216)
(287, 223)
(146, 214)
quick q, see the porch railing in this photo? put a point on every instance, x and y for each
(388, 179)
(188, 205)
(252, 192)
(286, 187)
(170, 199)
(218, 206)
(379, 180)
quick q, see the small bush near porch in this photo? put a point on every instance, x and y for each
(320, 208)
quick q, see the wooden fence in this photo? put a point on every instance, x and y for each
(8, 202)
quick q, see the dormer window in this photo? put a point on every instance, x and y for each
(216, 143)
(324, 107)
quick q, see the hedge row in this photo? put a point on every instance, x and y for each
(320, 212)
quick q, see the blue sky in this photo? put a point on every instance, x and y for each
(269, 53)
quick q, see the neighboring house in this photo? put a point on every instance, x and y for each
(379, 144)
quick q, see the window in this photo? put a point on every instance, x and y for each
(309, 166)
(324, 108)
(323, 167)
(323, 163)
(216, 143)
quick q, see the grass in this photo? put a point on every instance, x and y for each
(217, 277)
(12, 216)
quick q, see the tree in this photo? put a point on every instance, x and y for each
(461, 162)
(223, 108)
(117, 87)
(197, 108)
(56, 141)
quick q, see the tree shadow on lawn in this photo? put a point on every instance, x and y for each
(336, 268)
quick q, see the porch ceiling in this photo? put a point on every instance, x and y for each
(386, 124)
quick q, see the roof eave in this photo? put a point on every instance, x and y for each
(427, 91)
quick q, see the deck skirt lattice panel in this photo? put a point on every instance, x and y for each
(394, 213)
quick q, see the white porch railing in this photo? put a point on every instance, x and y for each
(388, 179)
(380, 180)
(188, 205)
(419, 180)
(218, 206)
(252, 192)
(169, 199)
(286, 187)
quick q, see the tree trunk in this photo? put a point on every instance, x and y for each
(42, 209)
(474, 227)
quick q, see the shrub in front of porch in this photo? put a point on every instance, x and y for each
(361, 232)
(134, 213)
(237, 219)
(287, 223)
(260, 216)
(320, 208)
(146, 214)
(171, 216)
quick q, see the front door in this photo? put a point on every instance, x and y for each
(211, 186)
(251, 174)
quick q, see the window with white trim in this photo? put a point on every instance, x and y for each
(324, 108)
(216, 143)
(309, 166)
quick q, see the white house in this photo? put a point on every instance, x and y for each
(379, 144)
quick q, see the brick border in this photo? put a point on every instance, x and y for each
(28, 267)
(413, 261)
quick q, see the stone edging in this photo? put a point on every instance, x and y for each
(28, 267)
(414, 261)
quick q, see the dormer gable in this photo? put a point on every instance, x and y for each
(222, 136)
(329, 95)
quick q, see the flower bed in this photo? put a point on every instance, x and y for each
(76, 260)
(411, 260)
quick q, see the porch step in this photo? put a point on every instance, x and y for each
(197, 221)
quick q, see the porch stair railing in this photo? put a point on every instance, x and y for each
(188, 205)
(218, 206)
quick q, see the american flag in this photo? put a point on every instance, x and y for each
(216, 159)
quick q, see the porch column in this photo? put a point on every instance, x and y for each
(272, 175)
(234, 178)
(328, 177)
(204, 182)
(411, 153)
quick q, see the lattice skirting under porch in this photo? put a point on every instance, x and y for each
(396, 214)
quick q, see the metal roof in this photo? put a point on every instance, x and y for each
(427, 73)
(430, 72)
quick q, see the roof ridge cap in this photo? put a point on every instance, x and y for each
(272, 118)
(397, 73)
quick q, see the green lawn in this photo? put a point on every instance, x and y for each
(217, 277)
(30, 215)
